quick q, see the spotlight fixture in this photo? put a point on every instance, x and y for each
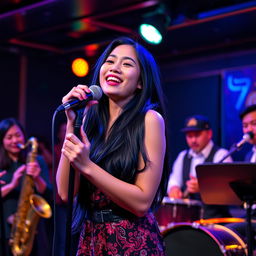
(154, 26)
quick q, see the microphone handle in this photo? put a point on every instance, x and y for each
(73, 104)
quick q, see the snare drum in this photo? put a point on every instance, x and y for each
(192, 239)
(178, 210)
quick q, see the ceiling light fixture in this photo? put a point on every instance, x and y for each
(154, 26)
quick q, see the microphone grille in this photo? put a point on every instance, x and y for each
(96, 92)
(247, 136)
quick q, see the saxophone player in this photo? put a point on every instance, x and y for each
(13, 163)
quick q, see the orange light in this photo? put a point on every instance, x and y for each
(80, 67)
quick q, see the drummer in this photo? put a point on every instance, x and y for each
(183, 182)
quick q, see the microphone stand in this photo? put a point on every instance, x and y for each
(233, 149)
(245, 190)
(77, 125)
(247, 199)
(249, 234)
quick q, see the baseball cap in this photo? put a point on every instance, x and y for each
(196, 123)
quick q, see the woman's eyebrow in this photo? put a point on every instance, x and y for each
(129, 58)
(125, 57)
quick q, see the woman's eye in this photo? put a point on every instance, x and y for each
(109, 61)
(127, 64)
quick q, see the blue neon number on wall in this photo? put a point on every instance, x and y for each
(241, 85)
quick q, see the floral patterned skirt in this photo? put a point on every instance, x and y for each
(123, 238)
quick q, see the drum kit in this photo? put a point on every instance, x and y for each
(185, 233)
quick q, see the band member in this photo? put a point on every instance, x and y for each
(183, 181)
(120, 160)
(13, 163)
(248, 119)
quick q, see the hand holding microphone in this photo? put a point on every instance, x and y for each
(79, 96)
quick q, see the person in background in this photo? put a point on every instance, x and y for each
(120, 161)
(13, 163)
(44, 150)
(183, 181)
(248, 120)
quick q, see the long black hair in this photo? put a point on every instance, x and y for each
(5, 125)
(119, 153)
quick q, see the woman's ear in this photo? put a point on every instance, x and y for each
(139, 85)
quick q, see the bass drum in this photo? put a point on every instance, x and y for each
(192, 239)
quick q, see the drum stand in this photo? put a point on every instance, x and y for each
(246, 191)
(249, 227)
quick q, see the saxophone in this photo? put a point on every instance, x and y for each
(30, 208)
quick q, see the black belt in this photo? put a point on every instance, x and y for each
(106, 215)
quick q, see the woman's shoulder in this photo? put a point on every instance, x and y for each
(153, 117)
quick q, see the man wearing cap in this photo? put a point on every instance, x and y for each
(183, 182)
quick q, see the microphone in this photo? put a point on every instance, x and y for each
(246, 137)
(95, 94)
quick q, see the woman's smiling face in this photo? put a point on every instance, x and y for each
(12, 138)
(120, 74)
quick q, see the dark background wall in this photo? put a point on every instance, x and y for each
(189, 97)
(47, 78)
(9, 64)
